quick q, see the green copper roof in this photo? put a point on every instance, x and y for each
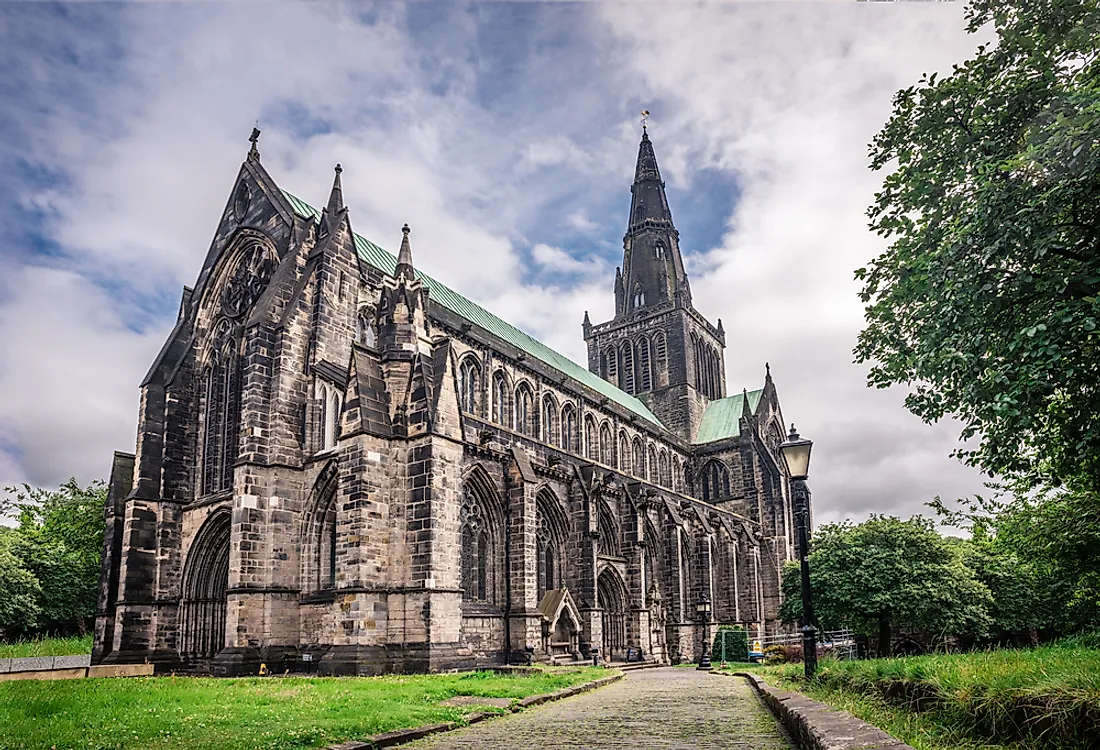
(478, 315)
(722, 417)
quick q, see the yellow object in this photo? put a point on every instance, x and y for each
(263, 670)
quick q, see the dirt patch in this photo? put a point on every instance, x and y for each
(474, 700)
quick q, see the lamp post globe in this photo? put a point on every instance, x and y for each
(796, 455)
(702, 611)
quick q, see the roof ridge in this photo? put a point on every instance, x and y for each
(385, 261)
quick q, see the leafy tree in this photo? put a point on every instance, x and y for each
(987, 301)
(886, 572)
(19, 608)
(1039, 555)
(59, 540)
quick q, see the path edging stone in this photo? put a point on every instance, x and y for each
(401, 736)
(817, 726)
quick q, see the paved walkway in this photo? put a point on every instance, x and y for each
(669, 708)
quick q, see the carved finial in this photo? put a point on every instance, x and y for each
(336, 197)
(254, 153)
(767, 372)
(404, 256)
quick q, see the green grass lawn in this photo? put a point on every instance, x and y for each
(47, 647)
(1047, 697)
(256, 712)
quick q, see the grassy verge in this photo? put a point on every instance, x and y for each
(1042, 698)
(47, 647)
(290, 712)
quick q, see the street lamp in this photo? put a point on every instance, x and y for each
(702, 609)
(796, 454)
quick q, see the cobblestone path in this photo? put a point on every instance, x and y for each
(669, 708)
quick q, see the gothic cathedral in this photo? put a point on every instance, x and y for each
(345, 467)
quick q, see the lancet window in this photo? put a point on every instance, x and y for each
(525, 410)
(331, 400)
(569, 428)
(550, 431)
(501, 411)
(591, 439)
(469, 386)
(607, 453)
(221, 414)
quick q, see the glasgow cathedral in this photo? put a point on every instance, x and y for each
(343, 466)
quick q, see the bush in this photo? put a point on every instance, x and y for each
(730, 644)
(787, 653)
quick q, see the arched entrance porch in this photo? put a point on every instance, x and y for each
(203, 593)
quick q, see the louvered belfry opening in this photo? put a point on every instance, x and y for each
(203, 600)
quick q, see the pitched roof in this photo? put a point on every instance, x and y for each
(722, 419)
(375, 256)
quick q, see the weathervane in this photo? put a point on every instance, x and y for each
(645, 118)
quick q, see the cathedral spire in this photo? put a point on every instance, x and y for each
(649, 202)
(404, 256)
(653, 270)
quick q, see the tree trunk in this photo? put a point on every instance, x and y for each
(883, 634)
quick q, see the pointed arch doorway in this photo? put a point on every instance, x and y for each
(203, 593)
(613, 601)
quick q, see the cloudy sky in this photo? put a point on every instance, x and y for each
(505, 134)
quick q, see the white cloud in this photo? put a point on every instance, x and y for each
(787, 98)
(482, 146)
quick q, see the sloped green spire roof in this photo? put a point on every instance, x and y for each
(375, 256)
(722, 419)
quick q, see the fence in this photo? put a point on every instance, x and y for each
(841, 643)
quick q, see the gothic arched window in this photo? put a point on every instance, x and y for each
(639, 297)
(569, 428)
(658, 249)
(591, 439)
(550, 433)
(331, 401)
(663, 475)
(607, 447)
(221, 414)
(660, 359)
(479, 564)
(626, 367)
(651, 474)
(645, 369)
(469, 385)
(501, 412)
(549, 538)
(624, 453)
(714, 482)
(525, 410)
(639, 459)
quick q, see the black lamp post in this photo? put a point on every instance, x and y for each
(702, 609)
(796, 454)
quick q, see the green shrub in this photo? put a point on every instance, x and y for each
(730, 644)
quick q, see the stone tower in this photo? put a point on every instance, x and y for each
(658, 347)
